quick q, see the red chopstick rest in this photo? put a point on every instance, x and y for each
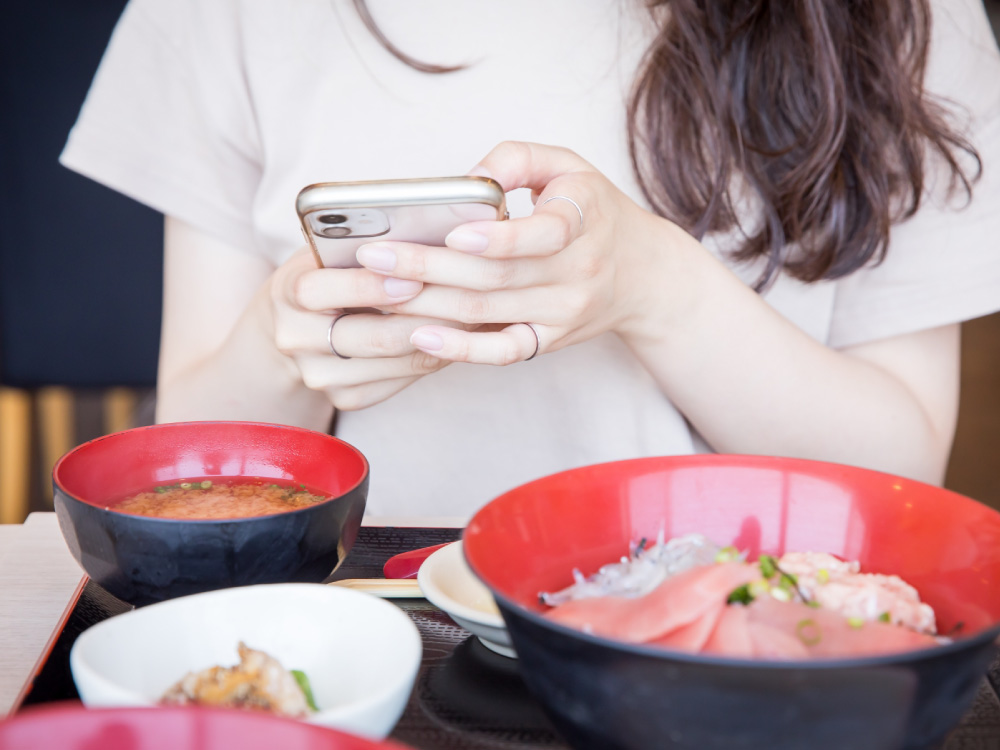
(406, 564)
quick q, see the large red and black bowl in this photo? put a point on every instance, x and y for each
(143, 559)
(606, 694)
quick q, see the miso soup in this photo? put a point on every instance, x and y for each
(214, 498)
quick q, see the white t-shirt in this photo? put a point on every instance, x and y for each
(219, 112)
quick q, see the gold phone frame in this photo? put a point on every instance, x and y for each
(396, 194)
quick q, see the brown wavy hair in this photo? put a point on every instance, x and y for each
(817, 106)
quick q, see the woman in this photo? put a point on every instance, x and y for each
(728, 293)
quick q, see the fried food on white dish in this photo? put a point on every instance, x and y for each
(258, 683)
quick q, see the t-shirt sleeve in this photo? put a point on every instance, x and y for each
(168, 119)
(943, 264)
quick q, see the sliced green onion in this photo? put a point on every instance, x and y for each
(303, 681)
(206, 484)
(759, 588)
(727, 554)
(822, 575)
(884, 617)
(782, 595)
(740, 595)
(768, 566)
(808, 632)
(856, 622)
(812, 603)
(788, 580)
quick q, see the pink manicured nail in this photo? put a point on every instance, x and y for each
(401, 287)
(377, 257)
(479, 171)
(427, 341)
(467, 241)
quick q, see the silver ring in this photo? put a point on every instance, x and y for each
(569, 200)
(329, 333)
(537, 343)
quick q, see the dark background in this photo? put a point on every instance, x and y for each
(81, 267)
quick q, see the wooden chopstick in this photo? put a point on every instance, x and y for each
(387, 588)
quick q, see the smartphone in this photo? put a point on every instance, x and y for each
(339, 217)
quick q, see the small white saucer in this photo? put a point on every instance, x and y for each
(448, 583)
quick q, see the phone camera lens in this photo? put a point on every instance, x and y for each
(332, 219)
(335, 231)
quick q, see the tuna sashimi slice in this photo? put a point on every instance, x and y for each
(693, 636)
(676, 602)
(825, 633)
(731, 636)
(770, 642)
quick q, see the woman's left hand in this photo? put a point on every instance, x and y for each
(747, 378)
(581, 265)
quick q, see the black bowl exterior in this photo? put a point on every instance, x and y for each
(608, 696)
(142, 560)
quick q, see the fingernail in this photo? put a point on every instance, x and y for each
(479, 171)
(377, 257)
(427, 341)
(467, 241)
(401, 287)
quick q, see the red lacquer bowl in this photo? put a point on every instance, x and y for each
(142, 559)
(70, 726)
(602, 693)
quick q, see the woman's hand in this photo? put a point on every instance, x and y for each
(585, 262)
(243, 340)
(357, 358)
(747, 378)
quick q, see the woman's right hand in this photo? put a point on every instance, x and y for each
(243, 340)
(356, 358)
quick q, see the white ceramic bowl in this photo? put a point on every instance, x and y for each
(360, 653)
(448, 583)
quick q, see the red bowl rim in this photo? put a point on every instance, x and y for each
(236, 423)
(984, 636)
(305, 729)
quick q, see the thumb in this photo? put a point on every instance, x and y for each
(518, 164)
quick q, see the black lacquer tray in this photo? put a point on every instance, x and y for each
(466, 696)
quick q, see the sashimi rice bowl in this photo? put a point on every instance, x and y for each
(692, 595)
(744, 602)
